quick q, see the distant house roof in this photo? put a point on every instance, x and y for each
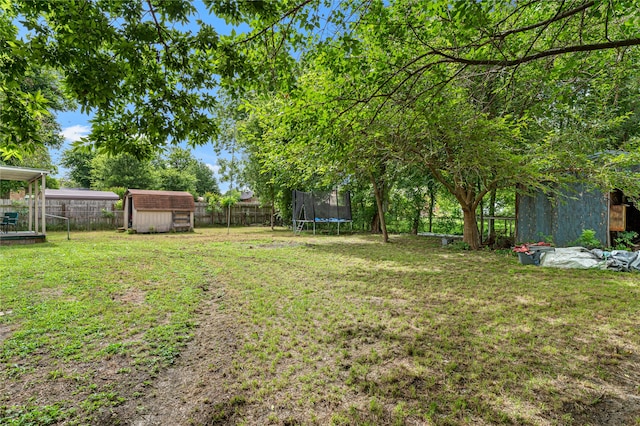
(247, 199)
(80, 194)
(246, 195)
(144, 199)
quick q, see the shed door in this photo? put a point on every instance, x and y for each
(618, 217)
(130, 211)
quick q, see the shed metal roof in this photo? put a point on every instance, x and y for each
(144, 199)
(80, 194)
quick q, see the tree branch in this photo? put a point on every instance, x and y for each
(555, 18)
(292, 12)
(158, 26)
(539, 55)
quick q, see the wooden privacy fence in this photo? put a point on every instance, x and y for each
(90, 215)
(240, 215)
(83, 215)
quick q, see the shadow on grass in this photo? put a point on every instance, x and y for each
(465, 335)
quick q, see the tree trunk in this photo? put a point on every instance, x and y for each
(273, 214)
(378, 194)
(471, 235)
(491, 240)
(469, 202)
(432, 205)
(375, 223)
(416, 222)
(481, 220)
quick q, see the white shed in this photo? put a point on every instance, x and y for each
(158, 211)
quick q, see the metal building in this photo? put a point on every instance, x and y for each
(563, 217)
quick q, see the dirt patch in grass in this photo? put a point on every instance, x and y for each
(50, 382)
(131, 295)
(5, 329)
(123, 389)
(278, 244)
(185, 393)
(617, 401)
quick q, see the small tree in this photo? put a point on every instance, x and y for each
(230, 199)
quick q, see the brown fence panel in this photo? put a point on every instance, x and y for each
(91, 215)
(241, 215)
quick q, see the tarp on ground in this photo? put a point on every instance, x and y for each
(582, 258)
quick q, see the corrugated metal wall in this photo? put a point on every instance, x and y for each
(563, 218)
(534, 218)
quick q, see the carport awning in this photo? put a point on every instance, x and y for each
(21, 173)
(36, 181)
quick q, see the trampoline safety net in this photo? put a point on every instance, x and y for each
(328, 206)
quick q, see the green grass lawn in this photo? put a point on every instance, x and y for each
(325, 330)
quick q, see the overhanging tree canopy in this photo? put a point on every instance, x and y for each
(144, 68)
(463, 88)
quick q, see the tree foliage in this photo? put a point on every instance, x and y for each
(482, 95)
(143, 68)
(122, 170)
(79, 165)
(178, 170)
(477, 94)
(15, 151)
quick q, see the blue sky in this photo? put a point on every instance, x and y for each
(75, 124)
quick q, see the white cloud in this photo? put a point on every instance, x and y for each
(214, 168)
(74, 133)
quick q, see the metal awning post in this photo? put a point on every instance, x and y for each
(36, 206)
(30, 206)
(43, 187)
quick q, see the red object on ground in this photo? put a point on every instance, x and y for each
(526, 248)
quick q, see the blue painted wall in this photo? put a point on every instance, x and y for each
(562, 217)
(534, 218)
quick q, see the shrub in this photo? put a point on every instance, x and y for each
(624, 240)
(588, 239)
(118, 190)
(107, 214)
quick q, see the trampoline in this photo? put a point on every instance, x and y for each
(320, 207)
